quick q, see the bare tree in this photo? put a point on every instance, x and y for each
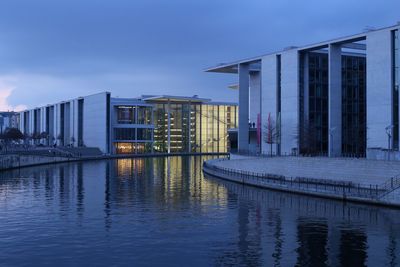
(271, 132)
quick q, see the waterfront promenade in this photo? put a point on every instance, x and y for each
(340, 169)
(34, 157)
(352, 179)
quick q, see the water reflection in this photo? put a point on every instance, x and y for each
(165, 208)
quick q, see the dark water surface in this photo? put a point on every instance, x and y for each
(163, 212)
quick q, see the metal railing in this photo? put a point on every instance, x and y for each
(339, 189)
(389, 186)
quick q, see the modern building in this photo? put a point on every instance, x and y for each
(191, 124)
(134, 125)
(8, 119)
(338, 97)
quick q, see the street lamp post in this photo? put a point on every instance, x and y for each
(331, 130)
(389, 134)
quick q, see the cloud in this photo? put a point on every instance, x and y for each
(5, 92)
(62, 49)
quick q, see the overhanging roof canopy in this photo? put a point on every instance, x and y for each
(166, 98)
(349, 42)
(254, 66)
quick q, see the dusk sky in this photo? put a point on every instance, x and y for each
(57, 50)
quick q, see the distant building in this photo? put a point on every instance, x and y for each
(8, 119)
(134, 125)
(338, 97)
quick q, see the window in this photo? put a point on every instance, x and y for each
(124, 148)
(144, 134)
(144, 115)
(124, 133)
(126, 115)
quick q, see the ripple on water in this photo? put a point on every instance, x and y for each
(160, 211)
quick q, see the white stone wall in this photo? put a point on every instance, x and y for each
(21, 122)
(255, 96)
(57, 122)
(51, 125)
(31, 121)
(67, 123)
(379, 87)
(269, 100)
(289, 100)
(335, 100)
(74, 121)
(94, 121)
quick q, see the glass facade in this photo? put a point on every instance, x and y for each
(126, 115)
(314, 104)
(132, 148)
(133, 129)
(144, 115)
(318, 103)
(194, 127)
(144, 134)
(160, 127)
(354, 129)
(124, 133)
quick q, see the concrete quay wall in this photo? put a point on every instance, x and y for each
(339, 190)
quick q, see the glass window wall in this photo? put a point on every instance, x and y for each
(144, 134)
(124, 133)
(144, 115)
(126, 115)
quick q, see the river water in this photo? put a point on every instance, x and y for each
(164, 212)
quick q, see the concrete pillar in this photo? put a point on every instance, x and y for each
(169, 126)
(289, 101)
(379, 87)
(268, 96)
(255, 106)
(243, 134)
(255, 96)
(335, 101)
(306, 86)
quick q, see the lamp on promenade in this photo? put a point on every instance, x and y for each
(331, 130)
(389, 134)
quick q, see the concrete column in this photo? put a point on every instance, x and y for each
(255, 107)
(306, 87)
(335, 101)
(255, 96)
(243, 134)
(379, 87)
(268, 96)
(289, 101)
(169, 126)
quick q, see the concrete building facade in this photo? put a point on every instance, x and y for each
(336, 98)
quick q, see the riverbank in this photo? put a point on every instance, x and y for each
(15, 161)
(360, 180)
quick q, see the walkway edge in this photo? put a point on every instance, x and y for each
(221, 175)
(106, 157)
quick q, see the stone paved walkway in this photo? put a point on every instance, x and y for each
(360, 171)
